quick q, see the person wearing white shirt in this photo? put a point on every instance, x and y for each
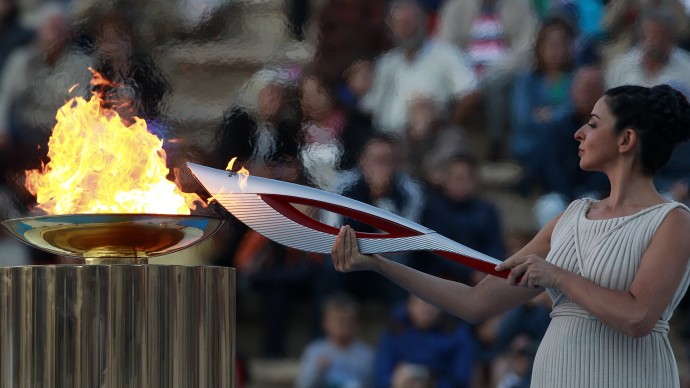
(418, 67)
(655, 60)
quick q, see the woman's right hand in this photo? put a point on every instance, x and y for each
(346, 255)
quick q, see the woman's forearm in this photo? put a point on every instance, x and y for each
(473, 304)
(453, 297)
(616, 309)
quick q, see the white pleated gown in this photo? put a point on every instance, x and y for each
(578, 350)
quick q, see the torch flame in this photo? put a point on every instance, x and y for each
(242, 172)
(230, 164)
(100, 164)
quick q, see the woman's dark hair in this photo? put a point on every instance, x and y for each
(660, 115)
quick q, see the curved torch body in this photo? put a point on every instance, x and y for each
(266, 205)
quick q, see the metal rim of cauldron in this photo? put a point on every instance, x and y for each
(115, 237)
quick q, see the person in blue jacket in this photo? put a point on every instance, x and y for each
(422, 334)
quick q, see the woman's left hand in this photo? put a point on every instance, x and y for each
(532, 271)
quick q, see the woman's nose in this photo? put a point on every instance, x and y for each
(578, 134)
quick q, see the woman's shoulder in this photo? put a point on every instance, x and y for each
(677, 214)
(578, 204)
(572, 212)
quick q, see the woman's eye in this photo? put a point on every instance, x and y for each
(592, 125)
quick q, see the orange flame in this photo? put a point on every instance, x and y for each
(99, 164)
(243, 176)
(243, 172)
(230, 164)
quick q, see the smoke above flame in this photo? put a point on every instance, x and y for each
(100, 163)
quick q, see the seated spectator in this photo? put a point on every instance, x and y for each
(541, 97)
(262, 131)
(520, 360)
(431, 138)
(279, 275)
(378, 180)
(621, 15)
(515, 340)
(332, 135)
(340, 360)
(35, 82)
(263, 127)
(421, 334)
(562, 178)
(497, 37)
(456, 211)
(656, 59)
(347, 31)
(417, 67)
(12, 34)
(356, 83)
(411, 376)
(133, 85)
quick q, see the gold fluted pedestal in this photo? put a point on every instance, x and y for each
(117, 326)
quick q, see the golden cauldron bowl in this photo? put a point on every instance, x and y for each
(113, 238)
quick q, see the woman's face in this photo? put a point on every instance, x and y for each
(598, 140)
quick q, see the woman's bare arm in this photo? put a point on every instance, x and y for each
(491, 296)
(635, 311)
(663, 265)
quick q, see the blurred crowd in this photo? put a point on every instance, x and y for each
(382, 112)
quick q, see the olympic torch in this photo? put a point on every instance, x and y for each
(267, 206)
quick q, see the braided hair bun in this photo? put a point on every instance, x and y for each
(660, 115)
(671, 113)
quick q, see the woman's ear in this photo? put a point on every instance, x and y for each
(627, 140)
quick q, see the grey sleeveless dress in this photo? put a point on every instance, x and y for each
(578, 350)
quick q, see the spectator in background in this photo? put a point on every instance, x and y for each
(133, 85)
(541, 98)
(340, 360)
(333, 136)
(261, 131)
(497, 36)
(12, 34)
(432, 138)
(422, 334)
(561, 162)
(417, 67)
(520, 359)
(378, 180)
(656, 59)
(348, 31)
(35, 82)
(278, 274)
(621, 15)
(411, 376)
(517, 336)
(357, 80)
(263, 128)
(457, 212)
